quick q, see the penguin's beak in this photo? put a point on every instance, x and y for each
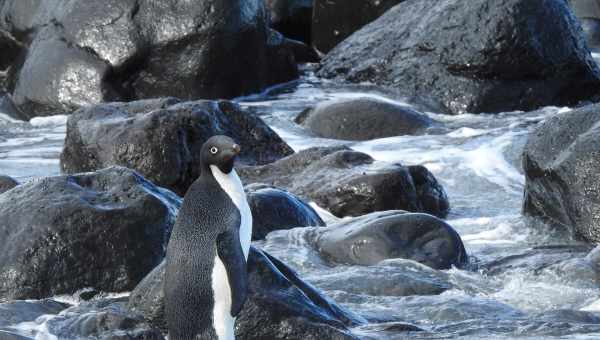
(236, 149)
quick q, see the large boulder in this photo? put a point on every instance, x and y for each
(529, 53)
(276, 209)
(279, 306)
(562, 170)
(127, 49)
(291, 17)
(105, 230)
(161, 138)
(371, 239)
(334, 20)
(342, 181)
(363, 119)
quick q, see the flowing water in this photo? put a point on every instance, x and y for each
(477, 159)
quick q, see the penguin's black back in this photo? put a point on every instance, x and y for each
(206, 212)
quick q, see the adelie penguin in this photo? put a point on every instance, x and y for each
(206, 274)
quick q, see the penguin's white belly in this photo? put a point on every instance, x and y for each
(223, 322)
(232, 185)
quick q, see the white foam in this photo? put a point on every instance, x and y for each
(49, 121)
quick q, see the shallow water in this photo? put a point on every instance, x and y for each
(476, 158)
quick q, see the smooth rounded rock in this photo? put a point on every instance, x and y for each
(276, 209)
(371, 239)
(363, 119)
(161, 138)
(341, 180)
(104, 230)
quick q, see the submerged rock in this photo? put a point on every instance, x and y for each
(342, 181)
(109, 50)
(562, 171)
(276, 209)
(279, 306)
(105, 230)
(527, 55)
(363, 119)
(370, 239)
(16, 312)
(333, 21)
(7, 183)
(161, 138)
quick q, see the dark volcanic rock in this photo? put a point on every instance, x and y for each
(105, 230)
(291, 17)
(370, 239)
(363, 119)
(58, 77)
(276, 209)
(280, 305)
(87, 51)
(7, 183)
(528, 54)
(334, 20)
(161, 138)
(562, 169)
(588, 13)
(342, 181)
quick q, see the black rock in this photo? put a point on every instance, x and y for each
(104, 230)
(562, 171)
(7, 183)
(376, 237)
(291, 17)
(528, 54)
(334, 20)
(111, 50)
(363, 119)
(161, 138)
(15, 312)
(588, 13)
(341, 181)
(280, 305)
(276, 209)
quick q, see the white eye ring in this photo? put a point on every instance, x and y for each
(214, 150)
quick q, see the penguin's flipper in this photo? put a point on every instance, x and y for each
(230, 252)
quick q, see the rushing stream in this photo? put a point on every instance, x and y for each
(477, 159)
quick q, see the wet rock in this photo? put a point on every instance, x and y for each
(588, 13)
(105, 230)
(58, 77)
(161, 138)
(342, 181)
(334, 20)
(584, 270)
(276, 209)
(363, 119)
(291, 17)
(280, 305)
(562, 171)
(376, 237)
(395, 277)
(15, 312)
(8, 107)
(137, 49)
(529, 54)
(7, 183)
(536, 259)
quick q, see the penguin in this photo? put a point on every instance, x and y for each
(206, 277)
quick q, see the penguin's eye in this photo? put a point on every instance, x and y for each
(214, 150)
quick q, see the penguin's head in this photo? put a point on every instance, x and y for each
(221, 152)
